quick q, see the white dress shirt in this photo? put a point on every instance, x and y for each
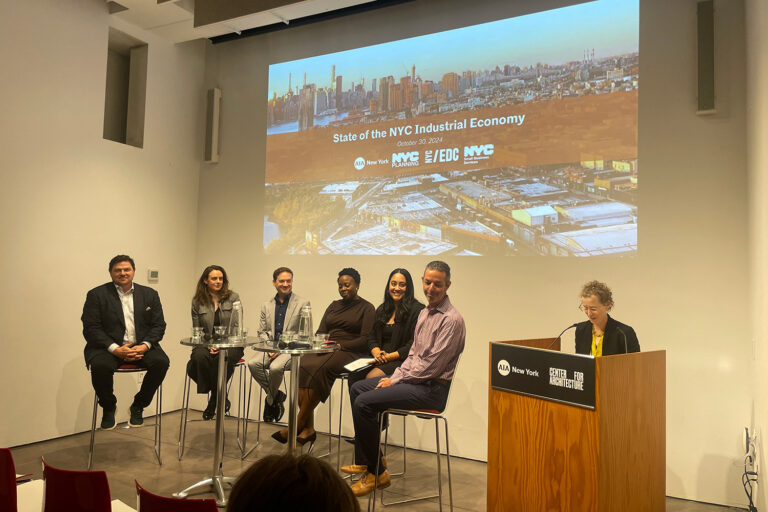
(126, 299)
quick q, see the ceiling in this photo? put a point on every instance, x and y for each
(176, 20)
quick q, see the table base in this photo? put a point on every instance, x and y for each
(214, 484)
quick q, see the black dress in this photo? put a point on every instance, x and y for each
(203, 367)
(348, 323)
(390, 338)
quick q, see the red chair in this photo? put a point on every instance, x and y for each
(148, 502)
(75, 491)
(7, 480)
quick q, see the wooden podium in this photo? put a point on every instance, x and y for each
(545, 455)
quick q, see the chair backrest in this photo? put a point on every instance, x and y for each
(7, 481)
(75, 491)
(149, 502)
(450, 388)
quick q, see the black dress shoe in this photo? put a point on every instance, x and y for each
(277, 436)
(278, 410)
(269, 413)
(210, 410)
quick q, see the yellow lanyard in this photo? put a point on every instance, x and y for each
(597, 344)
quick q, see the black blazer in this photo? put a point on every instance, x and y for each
(613, 341)
(104, 323)
(402, 334)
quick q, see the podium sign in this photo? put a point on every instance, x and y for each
(565, 378)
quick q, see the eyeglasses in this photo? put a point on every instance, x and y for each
(590, 309)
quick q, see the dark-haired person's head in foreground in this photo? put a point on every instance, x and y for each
(283, 483)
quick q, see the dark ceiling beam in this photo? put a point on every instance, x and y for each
(308, 20)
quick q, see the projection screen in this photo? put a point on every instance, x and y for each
(514, 137)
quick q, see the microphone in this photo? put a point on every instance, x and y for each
(293, 345)
(625, 340)
(558, 336)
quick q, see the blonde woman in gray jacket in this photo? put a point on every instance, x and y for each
(212, 306)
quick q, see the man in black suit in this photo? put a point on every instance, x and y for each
(116, 316)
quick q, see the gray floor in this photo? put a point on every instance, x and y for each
(126, 455)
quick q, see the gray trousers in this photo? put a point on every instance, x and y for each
(269, 373)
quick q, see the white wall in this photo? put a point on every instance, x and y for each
(685, 292)
(71, 201)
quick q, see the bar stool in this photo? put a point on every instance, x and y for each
(424, 414)
(344, 377)
(185, 409)
(131, 368)
(246, 419)
(259, 421)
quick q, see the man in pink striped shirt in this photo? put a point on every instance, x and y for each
(421, 382)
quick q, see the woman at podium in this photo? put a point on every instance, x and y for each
(601, 335)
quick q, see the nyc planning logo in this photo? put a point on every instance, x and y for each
(406, 159)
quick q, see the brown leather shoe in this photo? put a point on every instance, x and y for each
(358, 469)
(354, 469)
(365, 484)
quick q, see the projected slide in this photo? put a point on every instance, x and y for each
(517, 136)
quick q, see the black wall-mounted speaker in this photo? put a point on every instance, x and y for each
(213, 108)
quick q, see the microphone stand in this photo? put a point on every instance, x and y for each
(549, 347)
(626, 351)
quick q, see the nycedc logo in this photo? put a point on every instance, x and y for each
(359, 163)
